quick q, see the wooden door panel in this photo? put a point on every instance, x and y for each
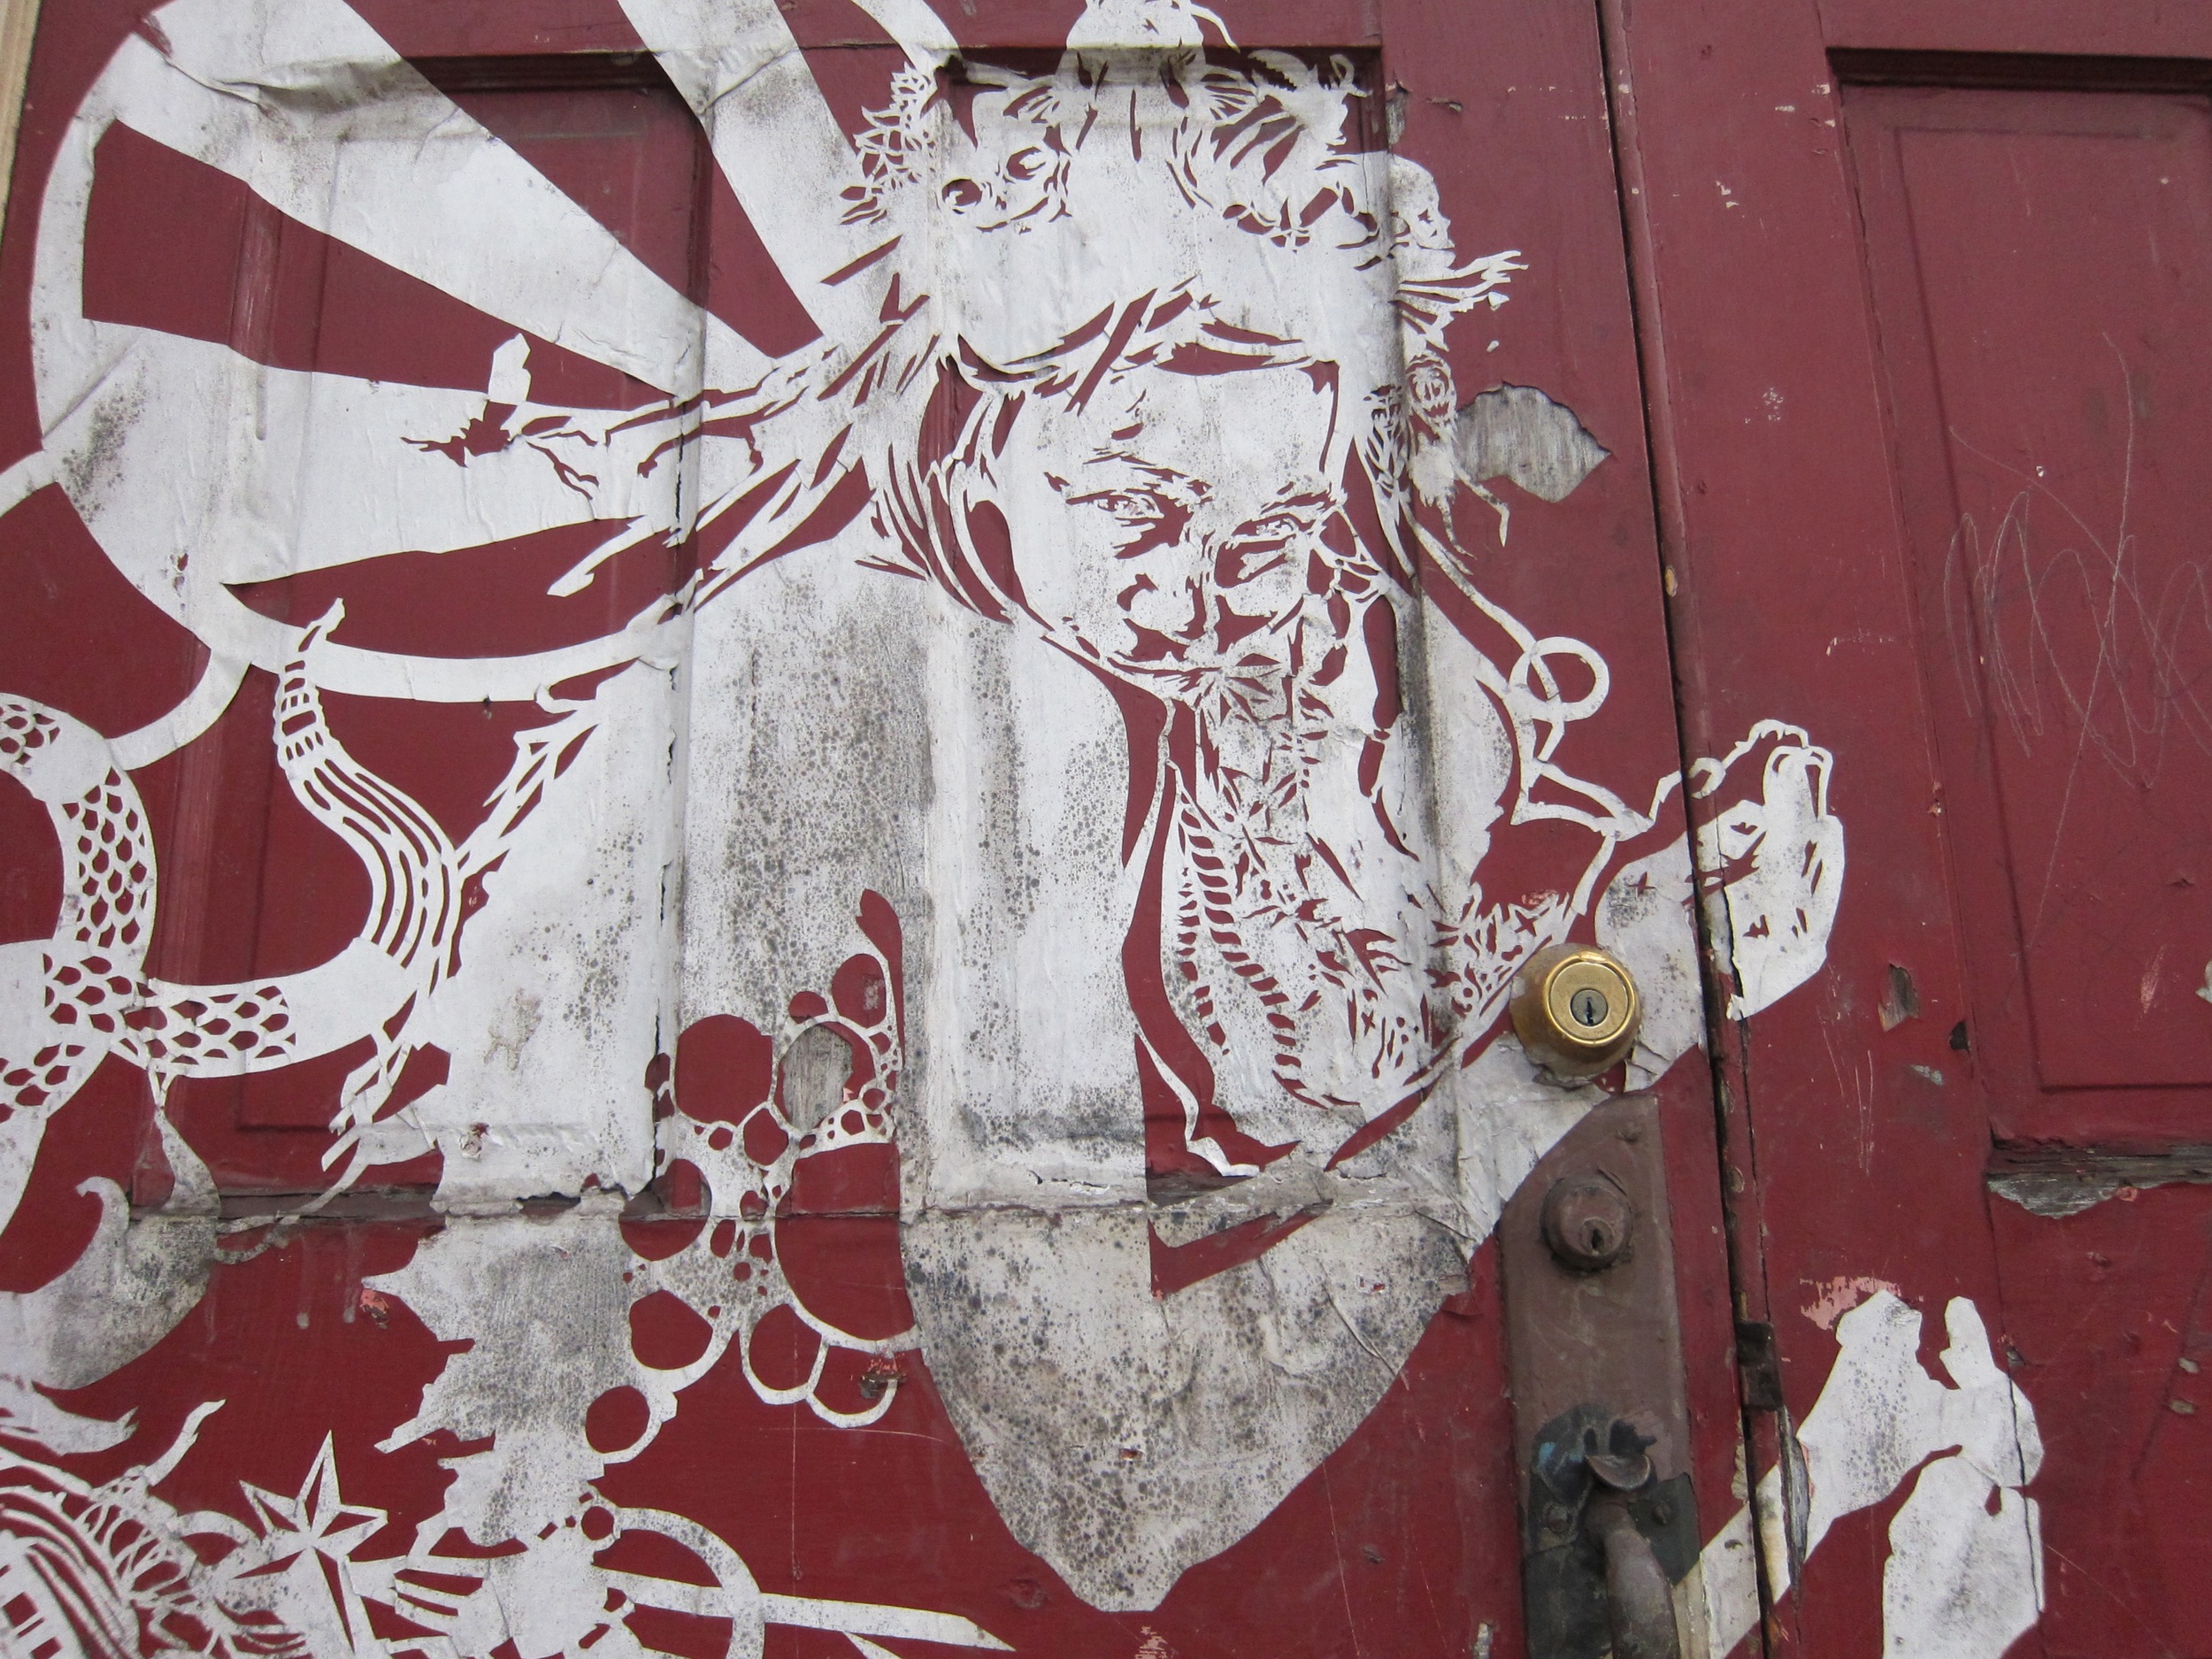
(2039, 261)
(261, 887)
(2109, 1312)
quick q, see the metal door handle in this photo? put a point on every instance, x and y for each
(1639, 1601)
(1610, 1523)
(1575, 1009)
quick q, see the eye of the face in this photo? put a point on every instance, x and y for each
(1277, 526)
(1026, 164)
(962, 194)
(1131, 506)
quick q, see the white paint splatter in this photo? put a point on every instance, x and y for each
(1781, 858)
(1963, 1579)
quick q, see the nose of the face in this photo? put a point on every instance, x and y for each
(1236, 563)
(1195, 628)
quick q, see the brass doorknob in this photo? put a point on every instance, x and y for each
(1575, 1009)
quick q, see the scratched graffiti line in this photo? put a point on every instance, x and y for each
(2143, 683)
(2017, 603)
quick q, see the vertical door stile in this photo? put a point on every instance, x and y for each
(1740, 1607)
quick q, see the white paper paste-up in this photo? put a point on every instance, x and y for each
(1137, 689)
(1963, 1579)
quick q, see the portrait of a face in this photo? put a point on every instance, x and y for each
(1181, 543)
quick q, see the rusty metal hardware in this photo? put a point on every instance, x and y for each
(1758, 1364)
(1639, 1601)
(1587, 1221)
(1575, 1009)
(1609, 1522)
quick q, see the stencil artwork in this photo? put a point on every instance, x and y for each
(1965, 1572)
(1009, 818)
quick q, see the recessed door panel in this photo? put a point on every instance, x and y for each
(2053, 451)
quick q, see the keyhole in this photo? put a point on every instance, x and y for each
(1589, 1006)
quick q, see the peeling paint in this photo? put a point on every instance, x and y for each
(1964, 1574)
(2060, 1181)
(1519, 433)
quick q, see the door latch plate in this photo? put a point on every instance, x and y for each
(1601, 1417)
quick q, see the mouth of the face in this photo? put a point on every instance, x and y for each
(1226, 653)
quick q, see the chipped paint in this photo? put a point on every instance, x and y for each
(1839, 1295)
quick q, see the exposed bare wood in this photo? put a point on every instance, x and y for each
(2059, 1180)
(19, 21)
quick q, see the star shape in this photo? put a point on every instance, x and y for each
(318, 1518)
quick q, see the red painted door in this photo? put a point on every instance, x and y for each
(1924, 286)
(773, 776)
